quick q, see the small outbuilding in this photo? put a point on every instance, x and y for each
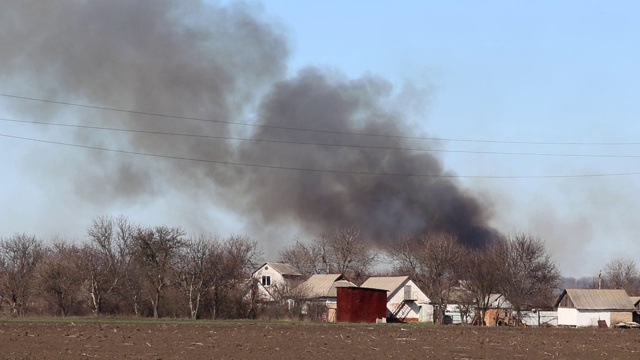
(585, 307)
(358, 304)
(405, 301)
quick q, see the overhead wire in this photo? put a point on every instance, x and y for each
(88, 106)
(291, 142)
(314, 144)
(333, 171)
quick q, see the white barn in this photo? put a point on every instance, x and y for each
(584, 307)
(405, 301)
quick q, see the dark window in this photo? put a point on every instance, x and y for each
(266, 280)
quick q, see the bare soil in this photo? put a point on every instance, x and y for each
(42, 340)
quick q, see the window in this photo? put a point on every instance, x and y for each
(266, 280)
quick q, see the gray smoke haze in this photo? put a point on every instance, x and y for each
(227, 63)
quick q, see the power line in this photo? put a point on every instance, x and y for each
(290, 142)
(345, 172)
(87, 106)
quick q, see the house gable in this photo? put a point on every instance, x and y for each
(405, 300)
(565, 301)
(275, 279)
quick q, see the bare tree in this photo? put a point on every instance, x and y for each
(232, 265)
(195, 268)
(58, 277)
(105, 259)
(156, 249)
(433, 262)
(482, 274)
(349, 254)
(622, 273)
(307, 258)
(531, 276)
(19, 257)
(131, 291)
(344, 252)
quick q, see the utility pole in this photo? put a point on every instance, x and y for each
(600, 280)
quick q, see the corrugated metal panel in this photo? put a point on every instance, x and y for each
(389, 283)
(339, 284)
(324, 285)
(598, 299)
(284, 268)
(361, 304)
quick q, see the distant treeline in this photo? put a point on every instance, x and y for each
(124, 269)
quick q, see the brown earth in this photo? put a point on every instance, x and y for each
(43, 340)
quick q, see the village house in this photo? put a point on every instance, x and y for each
(274, 280)
(585, 307)
(405, 301)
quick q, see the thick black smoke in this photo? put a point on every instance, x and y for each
(228, 63)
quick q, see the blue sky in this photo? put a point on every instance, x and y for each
(544, 71)
(504, 71)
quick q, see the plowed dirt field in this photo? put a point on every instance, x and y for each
(51, 340)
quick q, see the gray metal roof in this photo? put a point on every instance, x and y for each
(282, 268)
(324, 285)
(635, 300)
(389, 283)
(598, 299)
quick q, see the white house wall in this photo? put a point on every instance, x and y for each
(590, 318)
(580, 318)
(567, 317)
(276, 277)
(531, 318)
(277, 281)
(425, 313)
(419, 310)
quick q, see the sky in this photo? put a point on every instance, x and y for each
(531, 105)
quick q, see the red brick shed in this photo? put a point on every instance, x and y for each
(357, 304)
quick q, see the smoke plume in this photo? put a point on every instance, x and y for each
(228, 64)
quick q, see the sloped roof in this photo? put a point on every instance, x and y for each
(324, 285)
(389, 283)
(635, 300)
(598, 299)
(282, 268)
(498, 301)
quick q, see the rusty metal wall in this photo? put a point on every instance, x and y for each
(361, 304)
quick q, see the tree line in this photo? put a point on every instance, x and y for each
(127, 270)
(124, 269)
